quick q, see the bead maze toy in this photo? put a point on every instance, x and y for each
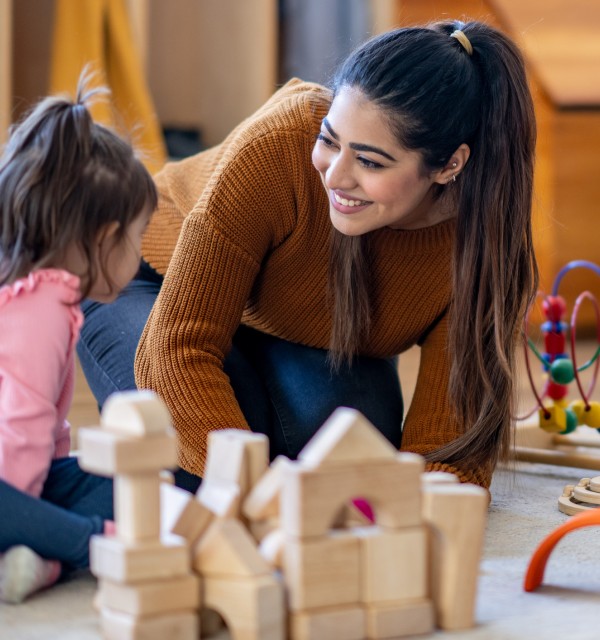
(280, 550)
(555, 437)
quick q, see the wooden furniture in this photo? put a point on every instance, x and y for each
(562, 47)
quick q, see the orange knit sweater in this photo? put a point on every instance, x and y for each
(244, 229)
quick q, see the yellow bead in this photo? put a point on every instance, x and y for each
(578, 407)
(553, 419)
(592, 417)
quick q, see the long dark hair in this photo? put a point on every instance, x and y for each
(439, 95)
(63, 178)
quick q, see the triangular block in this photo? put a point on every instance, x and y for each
(346, 437)
(227, 549)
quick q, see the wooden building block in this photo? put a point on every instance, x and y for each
(346, 437)
(393, 564)
(312, 498)
(182, 513)
(253, 608)
(113, 559)
(174, 626)
(341, 623)
(439, 477)
(322, 572)
(236, 456)
(108, 453)
(227, 549)
(457, 515)
(221, 498)
(406, 618)
(136, 413)
(210, 622)
(271, 548)
(259, 529)
(153, 597)
(263, 499)
(137, 506)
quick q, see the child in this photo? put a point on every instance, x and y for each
(74, 202)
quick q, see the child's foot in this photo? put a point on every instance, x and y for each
(23, 572)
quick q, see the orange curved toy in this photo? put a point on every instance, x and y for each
(537, 564)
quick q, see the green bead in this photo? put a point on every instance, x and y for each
(571, 421)
(561, 371)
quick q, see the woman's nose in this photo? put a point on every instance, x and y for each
(339, 174)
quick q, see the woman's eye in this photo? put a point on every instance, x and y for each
(326, 141)
(369, 164)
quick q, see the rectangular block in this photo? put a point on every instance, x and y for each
(107, 453)
(137, 506)
(115, 560)
(152, 598)
(182, 514)
(251, 607)
(322, 572)
(393, 563)
(408, 618)
(311, 498)
(122, 626)
(341, 623)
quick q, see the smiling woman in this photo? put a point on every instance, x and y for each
(287, 267)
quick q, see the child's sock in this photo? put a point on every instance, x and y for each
(23, 572)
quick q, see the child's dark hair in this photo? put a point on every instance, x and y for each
(441, 86)
(63, 178)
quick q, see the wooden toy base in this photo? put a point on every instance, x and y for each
(578, 449)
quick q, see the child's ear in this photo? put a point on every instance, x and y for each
(107, 233)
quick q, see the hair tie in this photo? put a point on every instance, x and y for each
(464, 41)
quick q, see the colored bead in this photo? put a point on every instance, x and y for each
(553, 419)
(556, 391)
(578, 408)
(554, 307)
(561, 371)
(571, 422)
(554, 343)
(592, 417)
(556, 327)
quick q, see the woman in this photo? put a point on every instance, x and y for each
(332, 231)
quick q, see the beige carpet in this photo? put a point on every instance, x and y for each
(522, 512)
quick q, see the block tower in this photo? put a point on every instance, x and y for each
(146, 586)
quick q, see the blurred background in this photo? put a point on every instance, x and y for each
(183, 73)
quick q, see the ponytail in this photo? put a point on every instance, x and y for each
(495, 271)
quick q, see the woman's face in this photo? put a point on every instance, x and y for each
(371, 180)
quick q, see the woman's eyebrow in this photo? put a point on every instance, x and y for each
(357, 146)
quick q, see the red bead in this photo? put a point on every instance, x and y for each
(554, 307)
(554, 343)
(557, 391)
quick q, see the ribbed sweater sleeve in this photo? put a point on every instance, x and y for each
(245, 211)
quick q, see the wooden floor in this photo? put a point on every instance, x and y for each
(84, 411)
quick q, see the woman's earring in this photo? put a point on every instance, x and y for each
(453, 177)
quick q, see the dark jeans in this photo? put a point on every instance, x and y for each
(285, 390)
(58, 525)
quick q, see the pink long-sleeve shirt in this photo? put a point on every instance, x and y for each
(39, 327)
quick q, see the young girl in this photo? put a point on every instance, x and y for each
(74, 203)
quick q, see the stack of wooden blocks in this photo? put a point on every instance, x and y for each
(146, 586)
(280, 550)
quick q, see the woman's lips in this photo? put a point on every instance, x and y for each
(344, 204)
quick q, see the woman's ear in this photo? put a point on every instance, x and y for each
(454, 166)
